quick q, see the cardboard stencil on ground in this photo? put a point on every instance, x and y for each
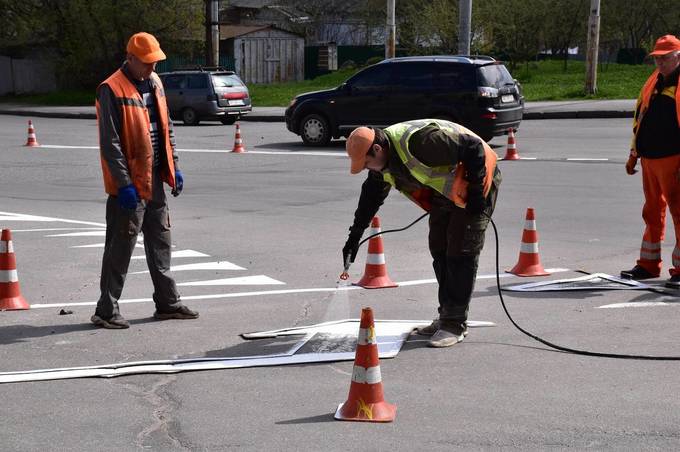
(596, 281)
(324, 342)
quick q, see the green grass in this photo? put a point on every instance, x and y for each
(547, 80)
(543, 80)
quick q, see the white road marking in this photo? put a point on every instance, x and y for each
(240, 281)
(219, 265)
(100, 245)
(54, 229)
(634, 304)
(98, 233)
(182, 253)
(219, 151)
(259, 293)
(9, 216)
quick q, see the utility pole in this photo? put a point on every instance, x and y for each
(464, 20)
(390, 29)
(212, 33)
(593, 45)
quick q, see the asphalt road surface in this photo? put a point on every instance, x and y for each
(272, 222)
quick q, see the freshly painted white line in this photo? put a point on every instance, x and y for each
(9, 216)
(634, 304)
(219, 265)
(261, 280)
(182, 253)
(268, 292)
(98, 233)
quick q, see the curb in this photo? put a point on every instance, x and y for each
(67, 115)
(577, 114)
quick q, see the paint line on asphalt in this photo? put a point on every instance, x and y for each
(216, 151)
(265, 292)
(257, 280)
(219, 265)
(54, 229)
(181, 253)
(9, 216)
(98, 233)
(634, 304)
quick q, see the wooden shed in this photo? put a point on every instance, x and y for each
(264, 53)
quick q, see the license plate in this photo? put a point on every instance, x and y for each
(507, 98)
(236, 102)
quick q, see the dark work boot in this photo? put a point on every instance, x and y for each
(637, 273)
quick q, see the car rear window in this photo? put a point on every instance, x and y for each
(225, 80)
(198, 81)
(494, 76)
(455, 77)
(413, 75)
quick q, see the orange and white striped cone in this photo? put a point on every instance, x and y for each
(238, 142)
(10, 293)
(511, 152)
(31, 141)
(366, 400)
(375, 272)
(529, 263)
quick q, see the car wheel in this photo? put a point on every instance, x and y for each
(189, 117)
(228, 119)
(315, 130)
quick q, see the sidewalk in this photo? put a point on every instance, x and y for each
(532, 110)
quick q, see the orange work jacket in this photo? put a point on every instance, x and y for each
(135, 136)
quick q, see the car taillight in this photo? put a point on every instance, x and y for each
(489, 116)
(485, 91)
(240, 95)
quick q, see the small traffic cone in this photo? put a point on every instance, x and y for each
(375, 272)
(238, 143)
(511, 152)
(529, 263)
(10, 294)
(32, 141)
(366, 401)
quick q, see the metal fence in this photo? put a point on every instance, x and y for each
(25, 76)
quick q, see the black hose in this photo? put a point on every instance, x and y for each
(533, 336)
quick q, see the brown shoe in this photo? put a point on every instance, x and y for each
(117, 322)
(182, 313)
(433, 327)
(446, 338)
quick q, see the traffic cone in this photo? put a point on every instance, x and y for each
(238, 143)
(529, 263)
(366, 401)
(10, 294)
(375, 272)
(511, 152)
(32, 141)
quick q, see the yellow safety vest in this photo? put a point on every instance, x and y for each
(448, 180)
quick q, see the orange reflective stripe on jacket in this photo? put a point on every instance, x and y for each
(135, 135)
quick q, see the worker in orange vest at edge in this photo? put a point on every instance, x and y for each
(656, 141)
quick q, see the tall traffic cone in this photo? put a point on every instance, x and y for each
(10, 294)
(238, 143)
(366, 401)
(375, 272)
(529, 263)
(32, 141)
(511, 152)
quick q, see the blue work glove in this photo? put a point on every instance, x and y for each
(476, 202)
(179, 183)
(128, 197)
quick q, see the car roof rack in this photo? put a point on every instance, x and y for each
(201, 68)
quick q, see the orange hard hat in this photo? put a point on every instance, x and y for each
(357, 146)
(665, 44)
(145, 47)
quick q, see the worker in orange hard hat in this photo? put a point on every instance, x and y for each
(448, 171)
(137, 148)
(656, 142)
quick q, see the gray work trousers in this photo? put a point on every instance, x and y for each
(456, 239)
(122, 227)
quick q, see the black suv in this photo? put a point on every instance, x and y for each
(475, 91)
(205, 93)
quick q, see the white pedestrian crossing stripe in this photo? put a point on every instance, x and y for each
(219, 265)
(242, 281)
